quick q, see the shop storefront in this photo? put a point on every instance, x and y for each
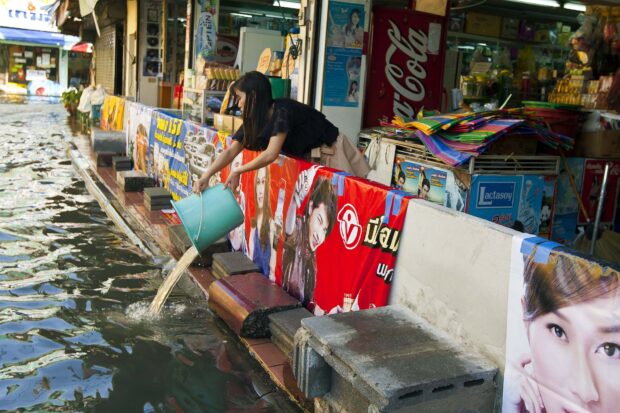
(34, 57)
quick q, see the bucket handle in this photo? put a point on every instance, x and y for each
(201, 216)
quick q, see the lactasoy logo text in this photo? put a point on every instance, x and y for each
(495, 194)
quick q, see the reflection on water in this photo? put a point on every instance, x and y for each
(72, 292)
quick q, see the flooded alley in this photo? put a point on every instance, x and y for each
(74, 293)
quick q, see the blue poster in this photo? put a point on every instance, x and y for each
(166, 157)
(495, 198)
(343, 56)
(511, 201)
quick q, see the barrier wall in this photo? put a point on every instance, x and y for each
(453, 271)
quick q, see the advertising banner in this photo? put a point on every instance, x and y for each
(327, 239)
(163, 142)
(406, 64)
(511, 201)
(112, 113)
(562, 335)
(343, 62)
(138, 127)
(437, 185)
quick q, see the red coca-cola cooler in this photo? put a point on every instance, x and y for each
(407, 52)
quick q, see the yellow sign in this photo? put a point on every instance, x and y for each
(113, 113)
(264, 61)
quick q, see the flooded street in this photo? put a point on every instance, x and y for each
(73, 291)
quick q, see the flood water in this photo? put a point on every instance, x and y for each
(74, 296)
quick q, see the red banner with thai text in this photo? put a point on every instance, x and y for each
(327, 238)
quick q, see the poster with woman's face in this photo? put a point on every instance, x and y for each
(345, 25)
(563, 331)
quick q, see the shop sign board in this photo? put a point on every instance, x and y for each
(30, 15)
(406, 64)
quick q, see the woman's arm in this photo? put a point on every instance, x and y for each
(223, 160)
(265, 158)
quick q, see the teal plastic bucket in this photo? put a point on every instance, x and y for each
(210, 216)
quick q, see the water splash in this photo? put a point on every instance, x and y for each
(166, 287)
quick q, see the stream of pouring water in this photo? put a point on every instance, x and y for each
(166, 287)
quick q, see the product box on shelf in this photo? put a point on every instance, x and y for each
(438, 185)
(600, 144)
(510, 28)
(223, 122)
(483, 24)
(237, 122)
(588, 176)
(523, 202)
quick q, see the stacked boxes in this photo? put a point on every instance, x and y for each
(156, 199)
(121, 163)
(133, 181)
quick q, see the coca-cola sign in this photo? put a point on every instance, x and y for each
(405, 71)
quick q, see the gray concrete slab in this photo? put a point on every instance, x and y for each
(393, 357)
(283, 327)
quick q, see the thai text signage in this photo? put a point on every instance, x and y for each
(328, 239)
(28, 14)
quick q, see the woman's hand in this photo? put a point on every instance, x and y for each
(233, 180)
(201, 184)
(524, 389)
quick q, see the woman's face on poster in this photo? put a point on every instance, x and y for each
(260, 184)
(576, 356)
(355, 18)
(317, 226)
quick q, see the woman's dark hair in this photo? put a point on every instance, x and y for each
(565, 279)
(263, 233)
(349, 27)
(400, 174)
(351, 86)
(322, 192)
(258, 100)
(426, 183)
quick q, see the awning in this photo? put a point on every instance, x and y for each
(83, 47)
(8, 34)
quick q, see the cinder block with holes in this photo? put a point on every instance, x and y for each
(388, 360)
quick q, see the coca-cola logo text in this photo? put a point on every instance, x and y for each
(408, 86)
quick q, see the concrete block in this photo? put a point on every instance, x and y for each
(245, 301)
(157, 192)
(284, 325)
(312, 372)
(232, 263)
(395, 362)
(108, 141)
(133, 181)
(122, 163)
(181, 242)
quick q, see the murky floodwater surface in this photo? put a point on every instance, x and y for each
(74, 296)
